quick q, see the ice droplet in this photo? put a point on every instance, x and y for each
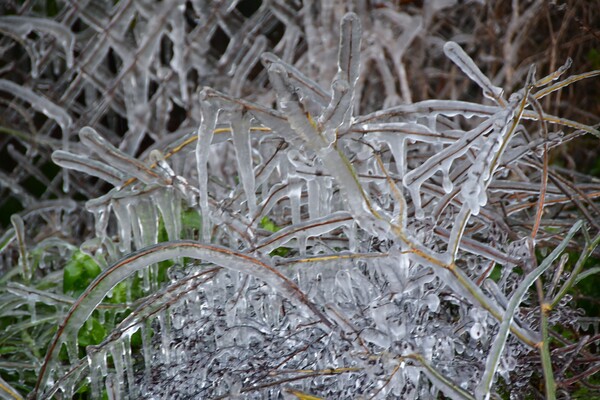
(476, 331)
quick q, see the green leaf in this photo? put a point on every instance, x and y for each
(79, 272)
(267, 224)
(191, 219)
(91, 333)
(280, 251)
(594, 58)
(119, 293)
(496, 273)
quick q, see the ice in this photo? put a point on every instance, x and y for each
(445, 158)
(118, 159)
(447, 387)
(431, 108)
(89, 166)
(113, 387)
(398, 132)
(48, 108)
(99, 208)
(242, 142)
(376, 337)
(7, 238)
(492, 362)
(246, 64)
(355, 275)
(314, 198)
(454, 52)
(98, 370)
(165, 336)
(432, 301)
(312, 91)
(170, 208)
(205, 135)
(368, 215)
(38, 296)
(19, 227)
(474, 190)
(117, 351)
(476, 331)
(22, 26)
(336, 112)
(316, 227)
(349, 49)
(276, 193)
(122, 211)
(145, 223)
(290, 105)
(177, 36)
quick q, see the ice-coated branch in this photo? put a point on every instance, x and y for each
(118, 159)
(455, 53)
(22, 26)
(89, 166)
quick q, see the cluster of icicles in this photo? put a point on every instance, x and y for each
(358, 293)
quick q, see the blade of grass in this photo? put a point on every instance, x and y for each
(483, 389)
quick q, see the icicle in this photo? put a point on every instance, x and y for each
(314, 199)
(123, 213)
(113, 387)
(101, 215)
(144, 223)
(474, 190)
(275, 195)
(240, 126)
(165, 337)
(118, 352)
(338, 114)
(205, 134)
(295, 195)
(446, 181)
(128, 365)
(98, 370)
(441, 161)
(169, 205)
(417, 176)
(146, 332)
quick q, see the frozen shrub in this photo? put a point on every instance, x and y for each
(276, 213)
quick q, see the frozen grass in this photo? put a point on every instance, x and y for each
(285, 200)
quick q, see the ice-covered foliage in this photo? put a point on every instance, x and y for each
(281, 218)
